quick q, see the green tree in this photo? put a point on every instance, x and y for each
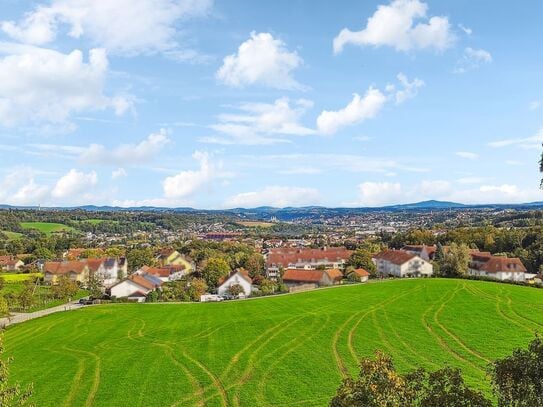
(517, 380)
(361, 258)
(152, 296)
(214, 269)
(26, 297)
(2, 282)
(138, 258)
(11, 394)
(65, 288)
(197, 288)
(254, 264)
(456, 260)
(4, 307)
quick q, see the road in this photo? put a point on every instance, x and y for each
(18, 317)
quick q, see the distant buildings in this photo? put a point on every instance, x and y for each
(311, 278)
(496, 267)
(135, 287)
(238, 277)
(10, 263)
(400, 263)
(107, 270)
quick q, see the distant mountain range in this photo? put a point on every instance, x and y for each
(288, 213)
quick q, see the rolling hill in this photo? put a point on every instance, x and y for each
(284, 350)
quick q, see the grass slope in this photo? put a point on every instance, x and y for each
(287, 350)
(46, 227)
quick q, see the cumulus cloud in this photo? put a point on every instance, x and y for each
(46, 86)
(379, 193)
(118, 173)
(277, 196)
(262, 123)
(472, 59)
(467, 155)
(127, 154)
(527, 143)
(403, 25)
(358, 110)
(19, 187)
(261, 60)
(408, 89)
(73, 183)
(187, 182)
(125, 27)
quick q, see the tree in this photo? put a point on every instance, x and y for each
(2, 282)
(235, 290)
(137, 258)
(26, 297)
(152, 296)
(456, 260)
(11, 395)
(267, 286)
(254, 264)
(380, 385)
(214, 269)
(65, 288)
(517, 380)
(95, 285)
(361, 258)
(197, 288)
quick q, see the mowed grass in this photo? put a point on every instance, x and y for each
(280, 351)
(11, 235)
(46, 227)
(19, 277)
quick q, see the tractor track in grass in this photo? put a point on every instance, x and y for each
(350, 336)
(291, 346)
(76, 381)
(452, 335)
(96, 379)
(406, 345)
(441, 342)
(515, 312)
(386, 342)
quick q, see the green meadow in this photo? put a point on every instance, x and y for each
(280, 351)
(46, 227)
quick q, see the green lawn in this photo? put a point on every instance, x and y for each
(19, 277)
(46, 227)
(284, 350)
(11, 235)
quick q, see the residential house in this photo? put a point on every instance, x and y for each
(171, 257)
(135, 287)
(423, 251)
(361, 274)
(501, 268)
(400, 263)
(10, 263)
(237, 277)
(291, 258)
(166, 273)
(108, 270)
(75, 270)
(314, 278)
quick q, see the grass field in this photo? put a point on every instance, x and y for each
(11, 235)
(280, 351)
(19, 277)
(46, 227)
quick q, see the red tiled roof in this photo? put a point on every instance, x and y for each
(334, 274)
(158, 271)
(64, 267)
(244, 273)
(301, 275)
(361, 272)
(496, 264)
(398, 257)
(139, 280)
(286, 256)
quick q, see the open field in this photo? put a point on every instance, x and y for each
(255, 224)
(46, 227)
(19, 277)
(11, 235)
(285, 350)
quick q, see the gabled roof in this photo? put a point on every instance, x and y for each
(334, 274)
(397, 257)
(241, 272)
(143, 282)
(361, 272)
(495, 264)
(302, 275)
(65, 267)
(286, 256)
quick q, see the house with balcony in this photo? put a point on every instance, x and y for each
(400, 263)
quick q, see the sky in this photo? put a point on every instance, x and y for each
(222, 104)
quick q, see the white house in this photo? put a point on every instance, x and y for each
(400, 263)
(108, 270)
(497, 267)
(238, 277)
(135, 287)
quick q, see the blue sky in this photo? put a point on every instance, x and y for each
(286, 103)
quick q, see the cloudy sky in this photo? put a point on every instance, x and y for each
(284, 103)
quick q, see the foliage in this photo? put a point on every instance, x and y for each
(65, 288)
(518, 379)
(213, 270)
(197, 288)
(456, 260)
(152, 296)
(4, 307)
(380, 385)
(139, 257)
(235, 290)
(11, 395)
(361, 258)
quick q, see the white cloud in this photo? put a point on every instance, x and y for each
(466, 30)
(187, 182)
(261, 60)
(397, 25)
(277, 196)
(19, 187)
(118, 173)
(467, 155)
(379, 193)
(472, 59)
(471, 180)
(534, 105)
(358, 109)
(528, 143)
(127, 154)
(46, 86)
(262, 123)
(125, 27)
(409, 90)
(72, 183)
